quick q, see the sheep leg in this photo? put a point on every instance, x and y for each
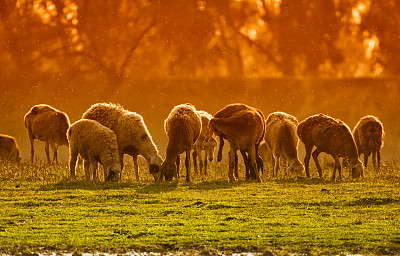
(46, 149)
(366, 160)
(194, 156)
(86, 167)
(178, 162)
(338, 167)
(54, 147)
(232, 161)
(93, 169)
(236, 166)
(136, 167)
(205, 163)
(315, 155)
(308, 149)
(378, 156)
(121, 161)
(221, 145)
(374, 159)
(252, 157)
(276, 166)
(73, 155)
(246, 164)
(273, 165)
(31, 139)
(187, 164)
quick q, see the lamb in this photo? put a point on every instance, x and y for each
(281, 140)
(94, 143)
(132, 135)
(244, 129)
(47, 124)
(368, 135)
(9, 150)
(202, 144)
(331, 136)
(227, 112)
(183, 127)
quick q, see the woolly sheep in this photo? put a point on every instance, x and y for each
(244, 129)
(227, 112)
(183, 126)
(47, 124)
(368, 135)
(281, 140)
(203, 144)
(9, 150)
(333, 137)
(94, 143)
(132, 135)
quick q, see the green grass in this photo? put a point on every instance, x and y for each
(41, 211)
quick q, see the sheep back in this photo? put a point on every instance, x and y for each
(368, 134)
(9, 149)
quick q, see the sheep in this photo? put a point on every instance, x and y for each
(281, 140)
(368, 135)
(331, 136)
(227, 112)
(132, 135)
(244, 130)
(183, 127)
(9, 150)
(94, 143)
(47, 124)
(202, 144)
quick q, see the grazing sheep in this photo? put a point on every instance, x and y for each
(133, 137)
(183, 127)
(368, 135)
(227, 112)
(244, 131)
(331, 136)
(282, 140)
(9, 150)
(203, 144)
(94, 143)
(47, 124)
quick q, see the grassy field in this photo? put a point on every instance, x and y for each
(41, 211)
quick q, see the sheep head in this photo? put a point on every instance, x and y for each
(168, 170)
(155, 167)
(112, 173)
(209, 147)
(357, 169)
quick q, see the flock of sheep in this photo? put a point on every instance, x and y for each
(107, 131)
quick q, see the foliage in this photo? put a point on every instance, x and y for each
(284, 216)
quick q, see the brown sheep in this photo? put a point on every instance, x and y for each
(183, 126)
(243, 130)
(282, 140)
(203, 144)
(368, 135)
(9, 150)
(333, 137)
(226, 112)
(47, 124)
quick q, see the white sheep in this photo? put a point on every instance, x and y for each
(9, 150)
(183, 126)
(203, 144)
(94, 143)
(133, 137)
(47, 124)
(368, 135)
(282, 141)
(244, 130)
(331, 136)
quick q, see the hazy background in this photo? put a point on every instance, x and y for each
(302, 57)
